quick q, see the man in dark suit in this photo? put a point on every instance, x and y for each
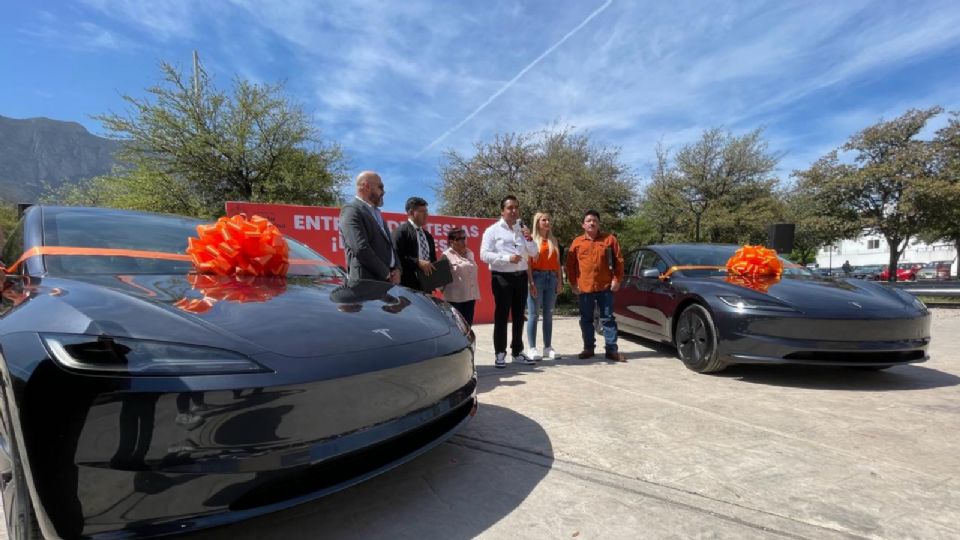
(414, 244)
(370, 253)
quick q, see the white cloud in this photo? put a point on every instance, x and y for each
(166, 19)
(513, 81)
(82, 36)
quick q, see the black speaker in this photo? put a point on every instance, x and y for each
(780, 237)
(21, 208)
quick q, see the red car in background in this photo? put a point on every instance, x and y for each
(905, 272)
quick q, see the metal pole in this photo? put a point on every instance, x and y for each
(196, 75)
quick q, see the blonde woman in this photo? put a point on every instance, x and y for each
(545, 283)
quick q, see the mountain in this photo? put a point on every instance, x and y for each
(38, 150)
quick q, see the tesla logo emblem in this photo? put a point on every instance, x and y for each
(384, 331)
(856, 305)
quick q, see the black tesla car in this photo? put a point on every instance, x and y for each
(715, 320)
(139, 398)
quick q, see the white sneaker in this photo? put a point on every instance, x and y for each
(533, 353)
(523, 359)
(501, 361)
(549, 354)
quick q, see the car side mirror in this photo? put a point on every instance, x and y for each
(651, 273)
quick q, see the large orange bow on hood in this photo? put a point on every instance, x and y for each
(237, 245)
(754, 267)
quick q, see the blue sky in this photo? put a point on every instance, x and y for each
(397, 83)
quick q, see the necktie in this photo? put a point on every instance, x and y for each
(422, 245)
(379, 217)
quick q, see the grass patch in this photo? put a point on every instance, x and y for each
(934, 300)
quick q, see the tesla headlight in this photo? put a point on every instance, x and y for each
(740, 302)
(113, 355)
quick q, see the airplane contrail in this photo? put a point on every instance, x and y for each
(510, 83)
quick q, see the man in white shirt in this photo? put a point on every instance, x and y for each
(505, 247)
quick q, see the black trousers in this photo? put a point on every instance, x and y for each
(466, 309)
(510, 298)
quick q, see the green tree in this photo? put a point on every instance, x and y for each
(888, 188)
(944, 224)
(8, 220)
(557, 171)
(802, 206)
(188, 147)
(636, 231)
(720, 187)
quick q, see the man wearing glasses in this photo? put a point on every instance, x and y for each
(463, 292)
(370, 253)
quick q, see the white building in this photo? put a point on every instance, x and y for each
(872, 249)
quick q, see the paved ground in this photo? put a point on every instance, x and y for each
(648, 449)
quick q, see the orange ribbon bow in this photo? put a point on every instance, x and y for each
(237, 245)
(754, 267)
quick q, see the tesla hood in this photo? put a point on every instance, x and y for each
(298, 316)
(842, 298)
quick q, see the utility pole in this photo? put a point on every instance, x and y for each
(196, 75)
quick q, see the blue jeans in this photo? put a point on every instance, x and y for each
(604, 299)
(546, 283)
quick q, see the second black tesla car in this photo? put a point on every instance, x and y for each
(714, 320)
(139, 398)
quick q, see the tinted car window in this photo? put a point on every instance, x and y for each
(650, 259)
(79, 227)
(631, 261)
(718, 255)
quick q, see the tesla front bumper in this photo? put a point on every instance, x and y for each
(798, 339)
(118, 457)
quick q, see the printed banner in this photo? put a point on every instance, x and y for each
(319, 228)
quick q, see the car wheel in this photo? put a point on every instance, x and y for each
(18, 509)
(696, 340)
(21, 519)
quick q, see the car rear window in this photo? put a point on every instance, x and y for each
(90, 228)
(718, 255)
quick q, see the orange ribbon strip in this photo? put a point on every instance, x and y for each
(101, 252)
(666, 275)
(134, 253)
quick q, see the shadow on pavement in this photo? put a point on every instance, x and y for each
(492, 377)
(455, 491)
(656, 347)
(907, 377)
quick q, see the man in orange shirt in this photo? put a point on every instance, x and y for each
(595, 270)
